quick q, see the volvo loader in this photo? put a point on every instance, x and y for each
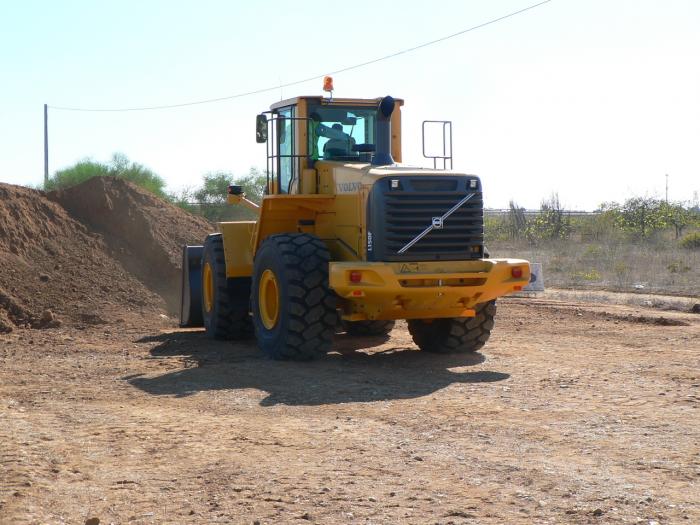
(348, 236)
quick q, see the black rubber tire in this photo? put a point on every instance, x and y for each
(191, 287)
(229, 317)
(368, 328)
(454, 335)
(307, 316)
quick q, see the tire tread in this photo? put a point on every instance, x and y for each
(231, 319)
(455, 335)
(311, 304)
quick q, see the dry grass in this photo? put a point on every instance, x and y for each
(659, 267)
(638, 300)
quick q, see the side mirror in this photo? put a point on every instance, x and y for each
(261, 129)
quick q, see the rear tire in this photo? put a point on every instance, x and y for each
(368, 328)
(293, 309)
(454, 335)
(225, 302)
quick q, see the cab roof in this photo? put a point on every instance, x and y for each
(371, 102)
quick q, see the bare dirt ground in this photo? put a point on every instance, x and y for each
(573, 413)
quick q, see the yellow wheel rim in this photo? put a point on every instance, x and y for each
(208, 285)
(269, 299)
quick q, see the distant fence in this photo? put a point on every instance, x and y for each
(492, 212)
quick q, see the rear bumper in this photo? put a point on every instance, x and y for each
(423, 290)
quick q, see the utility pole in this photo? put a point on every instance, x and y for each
(667, 188)
(46, 144)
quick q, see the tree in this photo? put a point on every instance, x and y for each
(253, 184)
(214, 188)
(677, 215)
(210, 200)
(641, 216)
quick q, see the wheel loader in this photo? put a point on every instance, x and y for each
(346, 236)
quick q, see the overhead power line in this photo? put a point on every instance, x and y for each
(315, 77)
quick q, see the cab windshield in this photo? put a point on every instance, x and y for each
(342, 133)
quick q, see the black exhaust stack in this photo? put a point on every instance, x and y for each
(382, 156)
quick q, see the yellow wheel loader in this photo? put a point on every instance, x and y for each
(347, 236)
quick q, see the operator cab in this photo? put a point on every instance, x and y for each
(304, 130)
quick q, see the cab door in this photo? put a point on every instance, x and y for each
(287, 165)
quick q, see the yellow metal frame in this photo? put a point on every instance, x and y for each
(238, 247)
(423, 290)
(286, 214)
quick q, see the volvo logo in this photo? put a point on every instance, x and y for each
(437, 223)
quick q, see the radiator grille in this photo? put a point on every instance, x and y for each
(406, 211)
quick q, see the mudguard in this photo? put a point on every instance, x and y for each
(191, 291)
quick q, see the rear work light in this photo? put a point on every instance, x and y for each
(516, 272)
(355, 276)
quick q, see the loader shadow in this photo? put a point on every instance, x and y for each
(344, 376)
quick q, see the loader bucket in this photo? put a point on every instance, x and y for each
(191, 292)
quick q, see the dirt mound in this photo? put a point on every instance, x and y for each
(141, 231)
(53, 268)
(653, 319)
(12, 313)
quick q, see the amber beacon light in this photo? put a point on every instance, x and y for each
(328, 84)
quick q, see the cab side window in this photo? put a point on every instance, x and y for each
(285, 149)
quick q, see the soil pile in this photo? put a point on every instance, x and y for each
(143, 232)
(52, 268)
(91, 254)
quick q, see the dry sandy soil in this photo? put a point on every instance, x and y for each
(573, 413)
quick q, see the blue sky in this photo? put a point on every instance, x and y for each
(596, 100)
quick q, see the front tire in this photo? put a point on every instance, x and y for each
(293, 309)
(454, 335)
(225, 302)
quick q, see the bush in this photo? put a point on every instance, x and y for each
(138, 174)
(551, 223)
(586, 275)
(593, 252)
(691, 241)
(120, 166)
(82, 171)
(495, 228)
(677, 267)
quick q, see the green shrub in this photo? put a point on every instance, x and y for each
(551, 223)
(134, 172)
(120, 166)
(82, 171)
(586, 275)
(495, 228)
(677, 267)
(691, 241)
(593, 252)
